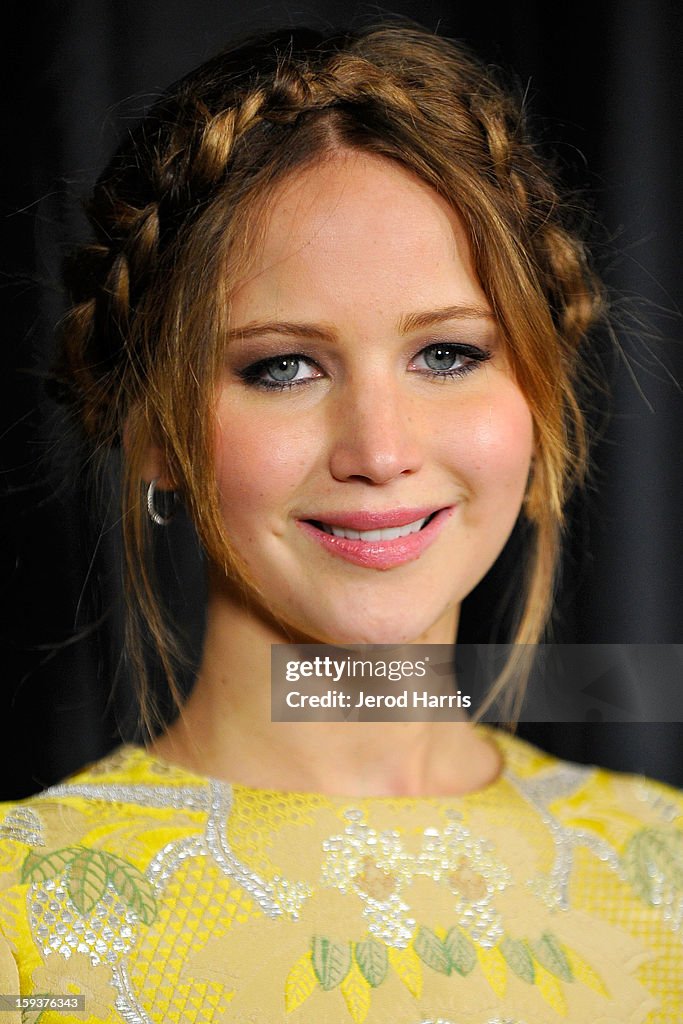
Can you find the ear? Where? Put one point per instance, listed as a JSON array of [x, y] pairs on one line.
[[154, 466], [144, 452]]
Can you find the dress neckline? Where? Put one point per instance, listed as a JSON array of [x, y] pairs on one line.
[[179, 774]]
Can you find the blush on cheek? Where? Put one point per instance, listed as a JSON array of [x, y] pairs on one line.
[[504, 437], [493, 440]]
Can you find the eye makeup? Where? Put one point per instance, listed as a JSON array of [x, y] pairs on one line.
[[442, 360]]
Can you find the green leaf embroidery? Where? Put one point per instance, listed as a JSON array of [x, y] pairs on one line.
[[371, 957], [461, 952], [38, 867], [89, 872], [132, 886], [87, 880], [518, 958], [432, 951], [331, 961], [550, 954], [653, 852]]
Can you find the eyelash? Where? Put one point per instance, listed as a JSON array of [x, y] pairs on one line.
[[252, 374]]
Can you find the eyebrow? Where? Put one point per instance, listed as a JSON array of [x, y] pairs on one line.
[[418, 321], [294, 330], [406, 324]]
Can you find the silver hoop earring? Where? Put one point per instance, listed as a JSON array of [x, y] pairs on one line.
[[157, 517]]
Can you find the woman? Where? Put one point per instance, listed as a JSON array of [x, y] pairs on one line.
[[332, 304]]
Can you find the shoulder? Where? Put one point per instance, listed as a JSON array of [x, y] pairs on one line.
[[629, 824], [126, 791], [603, 794], [95, 832]]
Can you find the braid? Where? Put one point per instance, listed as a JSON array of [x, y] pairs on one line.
[[107, 280], [219, 134]]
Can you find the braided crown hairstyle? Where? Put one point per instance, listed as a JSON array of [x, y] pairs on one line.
[[175, 209]]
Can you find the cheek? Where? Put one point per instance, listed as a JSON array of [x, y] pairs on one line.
[[258, 465], [493, 445]]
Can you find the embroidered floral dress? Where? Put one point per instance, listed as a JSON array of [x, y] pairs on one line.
[[553, 895]]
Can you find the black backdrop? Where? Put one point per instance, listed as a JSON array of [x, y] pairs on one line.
[[604, 81]]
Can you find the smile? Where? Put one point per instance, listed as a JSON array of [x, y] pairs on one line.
[[378, 540], [389, 533]]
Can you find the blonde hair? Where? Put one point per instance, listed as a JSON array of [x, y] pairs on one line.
[[142, 343]]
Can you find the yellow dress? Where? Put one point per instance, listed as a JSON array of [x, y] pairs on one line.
[[553, 895]]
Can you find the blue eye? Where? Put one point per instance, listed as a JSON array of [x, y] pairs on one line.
[[441, 357], [448, 359], [279, 372], [284, 369], [440, 361]]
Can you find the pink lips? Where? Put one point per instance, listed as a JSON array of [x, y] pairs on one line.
[[379, 554]]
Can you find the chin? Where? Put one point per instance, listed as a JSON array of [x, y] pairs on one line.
[[386, 629]]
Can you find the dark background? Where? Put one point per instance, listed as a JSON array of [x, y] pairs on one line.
[[603, 81]]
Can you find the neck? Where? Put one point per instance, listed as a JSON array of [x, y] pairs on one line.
[[225, 729]]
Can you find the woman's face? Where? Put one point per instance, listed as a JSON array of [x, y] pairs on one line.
[[372, 445]]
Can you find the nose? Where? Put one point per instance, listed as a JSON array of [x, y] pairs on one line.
[[376, 436]]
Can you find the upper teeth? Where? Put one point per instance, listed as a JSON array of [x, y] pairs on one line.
[[389, 533]]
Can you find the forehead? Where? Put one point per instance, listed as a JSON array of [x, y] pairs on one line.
[[356, 224]]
